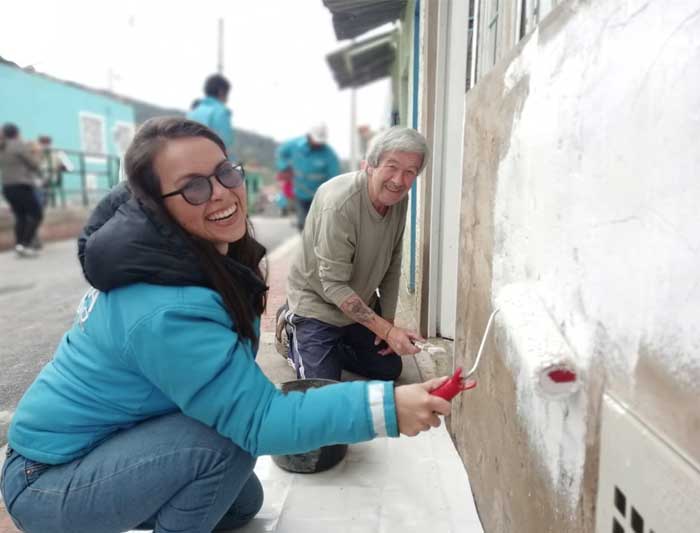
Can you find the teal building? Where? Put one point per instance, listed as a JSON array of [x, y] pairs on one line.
[[92, 127]]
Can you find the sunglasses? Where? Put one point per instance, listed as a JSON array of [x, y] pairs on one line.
[[199, 189]]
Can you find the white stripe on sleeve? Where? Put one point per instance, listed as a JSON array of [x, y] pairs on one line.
[[375, 393]]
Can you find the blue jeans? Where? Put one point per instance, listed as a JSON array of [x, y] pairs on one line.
[[169, 473]]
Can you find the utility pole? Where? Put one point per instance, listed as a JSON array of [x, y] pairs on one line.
[[220, 64], [112, 78]]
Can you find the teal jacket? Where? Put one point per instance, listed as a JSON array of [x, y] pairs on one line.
[[312, 166], [214, 114], [140, 350]]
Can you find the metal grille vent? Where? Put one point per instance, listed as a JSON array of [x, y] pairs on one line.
[[645, 485], [620, 523]]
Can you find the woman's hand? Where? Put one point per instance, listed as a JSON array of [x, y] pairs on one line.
[[416, 409]]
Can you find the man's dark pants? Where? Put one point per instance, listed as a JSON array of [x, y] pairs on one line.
[[26, 209], [321, 350]]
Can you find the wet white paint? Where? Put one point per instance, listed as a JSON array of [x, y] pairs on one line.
[[597, 207], [533, 344]]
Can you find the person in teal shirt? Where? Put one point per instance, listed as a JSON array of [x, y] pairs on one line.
[[212, 111], [153, 409], [313, 162]]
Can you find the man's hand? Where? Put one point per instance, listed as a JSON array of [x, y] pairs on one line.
[[378, 340], [416, 409], [401, 342], [386, 351]]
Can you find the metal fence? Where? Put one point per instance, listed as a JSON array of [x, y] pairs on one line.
[[79, 178], [75, 178]]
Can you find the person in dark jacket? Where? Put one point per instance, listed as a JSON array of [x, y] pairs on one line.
[[153, 410], [20, 171]]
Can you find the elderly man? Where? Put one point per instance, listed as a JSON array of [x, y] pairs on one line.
[[343, 284]]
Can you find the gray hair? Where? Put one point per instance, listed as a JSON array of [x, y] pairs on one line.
[[397, 139]]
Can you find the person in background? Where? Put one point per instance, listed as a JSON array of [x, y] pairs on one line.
[[351, 250], [311, 162], [212, 111], [19, 171], [153, 409], [285, 201], [253, 186], [53, 164]]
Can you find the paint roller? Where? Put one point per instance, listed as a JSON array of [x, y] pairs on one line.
[[534, 338], [534, 341], [458, 382]]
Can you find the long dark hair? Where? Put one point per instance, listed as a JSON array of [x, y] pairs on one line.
[[145, 185]]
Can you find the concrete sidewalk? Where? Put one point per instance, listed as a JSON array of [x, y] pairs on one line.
[[407, 485]]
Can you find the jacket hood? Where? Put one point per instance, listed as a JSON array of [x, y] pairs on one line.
[[125, 242]]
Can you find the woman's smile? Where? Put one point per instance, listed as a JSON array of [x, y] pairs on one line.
[[223, 215]]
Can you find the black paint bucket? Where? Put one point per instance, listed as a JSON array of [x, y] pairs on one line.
[[316, 460]]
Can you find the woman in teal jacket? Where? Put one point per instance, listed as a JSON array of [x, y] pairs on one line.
[[153, 409]]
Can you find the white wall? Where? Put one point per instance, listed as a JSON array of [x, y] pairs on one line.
[[598, 204]]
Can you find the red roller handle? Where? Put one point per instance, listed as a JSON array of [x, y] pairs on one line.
[[453, 386]]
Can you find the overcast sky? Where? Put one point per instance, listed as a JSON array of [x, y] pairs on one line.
[[160, 52]]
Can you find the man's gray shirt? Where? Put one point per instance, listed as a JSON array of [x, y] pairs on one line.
[[347, 248]]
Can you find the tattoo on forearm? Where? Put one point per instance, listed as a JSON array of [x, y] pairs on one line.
[[356, 309]]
